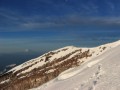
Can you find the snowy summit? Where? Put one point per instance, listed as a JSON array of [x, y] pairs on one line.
[[68, 68]]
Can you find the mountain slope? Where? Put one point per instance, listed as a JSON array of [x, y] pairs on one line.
[[40, 70], [100, 73]]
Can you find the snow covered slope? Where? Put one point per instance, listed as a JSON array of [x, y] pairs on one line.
[[83, 66], [99, 73], [62, 52]]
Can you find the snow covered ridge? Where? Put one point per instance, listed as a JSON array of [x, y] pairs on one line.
[[100, 73], [40, 70]]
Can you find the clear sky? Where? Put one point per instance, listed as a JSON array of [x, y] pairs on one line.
[[43, 25]]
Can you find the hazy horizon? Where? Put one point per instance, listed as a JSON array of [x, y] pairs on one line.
[[43, 25], [39, 26]]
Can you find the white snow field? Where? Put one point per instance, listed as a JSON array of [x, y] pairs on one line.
[[99, 73]]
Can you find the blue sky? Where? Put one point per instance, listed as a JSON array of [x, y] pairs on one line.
[[43, 25]]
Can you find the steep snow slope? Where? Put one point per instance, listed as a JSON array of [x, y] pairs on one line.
[[62, 52], [99, 73], [38, 71]]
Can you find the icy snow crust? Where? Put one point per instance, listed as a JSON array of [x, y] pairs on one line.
[[100, 73]]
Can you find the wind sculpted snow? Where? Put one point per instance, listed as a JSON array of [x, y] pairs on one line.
[[100, 73], [68, 68]]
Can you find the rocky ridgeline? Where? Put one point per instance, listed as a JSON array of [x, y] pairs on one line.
[[32, 73], [42, 74], [38, 71]]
